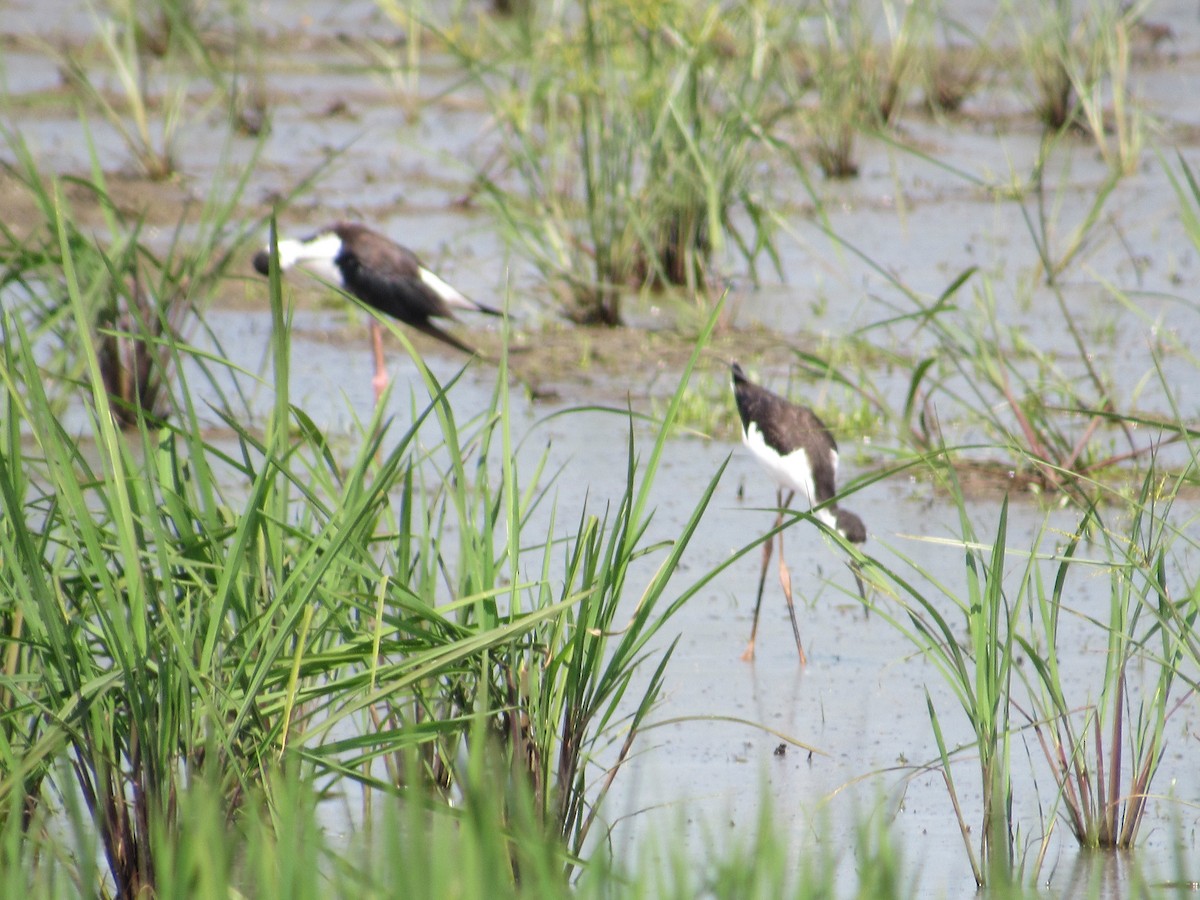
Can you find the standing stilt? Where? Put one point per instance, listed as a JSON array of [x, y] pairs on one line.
[[383, 275], [799, 452]]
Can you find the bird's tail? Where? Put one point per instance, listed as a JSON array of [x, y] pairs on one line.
[[445, 337], [487, 310]]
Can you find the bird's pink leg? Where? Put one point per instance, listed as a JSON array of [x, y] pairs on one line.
[[748, 653], [785, 581], [380, 381]]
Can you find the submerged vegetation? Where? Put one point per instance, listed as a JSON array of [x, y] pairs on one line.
[[221, 616]]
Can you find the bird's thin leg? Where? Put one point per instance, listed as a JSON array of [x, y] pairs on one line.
[[862, 590], [380, 381], [768, 546], [785, 580]]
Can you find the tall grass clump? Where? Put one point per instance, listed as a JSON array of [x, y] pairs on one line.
[[152, 68], [1078, 66], [1105, 749], [950, 73], [1046, 54], [1097, 67], [1003, 631], [146, 120], [1053, 424], [561, 690], [860, 75], [969, 636], [1112, 113], [280, 844], [134, 294], [633, 142], [177, 611], [157, 621], [153, 627]]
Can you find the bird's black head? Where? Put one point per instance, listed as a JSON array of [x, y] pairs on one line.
[[262, 262], [738, 375], [851, 526]]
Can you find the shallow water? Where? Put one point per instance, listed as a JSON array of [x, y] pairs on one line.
[[861, 700], [860, 703]]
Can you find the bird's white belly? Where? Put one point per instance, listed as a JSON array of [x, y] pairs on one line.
[[793, 471], [324, 269]]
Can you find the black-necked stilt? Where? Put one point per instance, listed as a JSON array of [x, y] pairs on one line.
[[799, 452], [381, 274]]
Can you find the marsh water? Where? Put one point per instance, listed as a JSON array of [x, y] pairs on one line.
[[728, 732]]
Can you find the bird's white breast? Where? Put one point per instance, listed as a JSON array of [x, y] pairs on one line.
[[316, 255], [792, 471]]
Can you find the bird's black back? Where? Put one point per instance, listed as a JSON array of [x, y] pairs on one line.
[[787, 427], [386, 276]]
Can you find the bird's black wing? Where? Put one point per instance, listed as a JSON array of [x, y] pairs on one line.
[[433, 331], [788, 427], [405, 298]]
